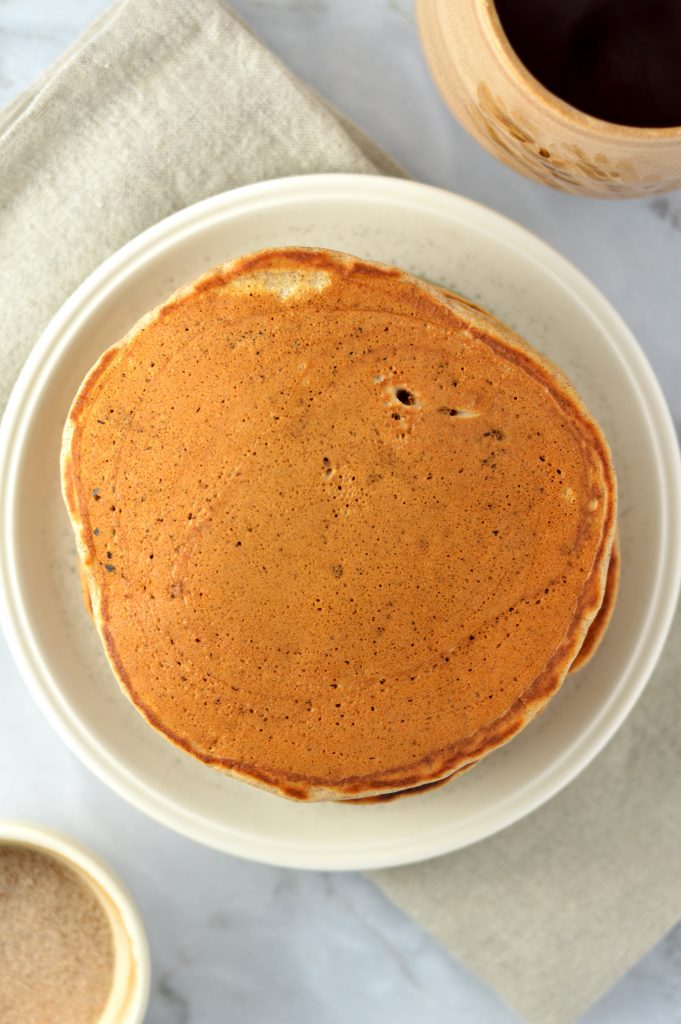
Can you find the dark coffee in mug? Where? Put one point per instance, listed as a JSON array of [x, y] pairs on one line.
[[618, 60]]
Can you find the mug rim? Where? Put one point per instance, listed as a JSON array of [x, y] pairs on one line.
[[488, 10]]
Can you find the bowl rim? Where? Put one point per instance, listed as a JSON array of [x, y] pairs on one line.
[[100, 875], [128, 261]]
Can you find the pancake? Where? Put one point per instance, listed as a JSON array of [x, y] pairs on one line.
[[600, 623], [342, 534], [586, 652], [426, 787]]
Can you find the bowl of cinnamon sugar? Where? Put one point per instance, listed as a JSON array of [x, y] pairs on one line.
[[73, 949]]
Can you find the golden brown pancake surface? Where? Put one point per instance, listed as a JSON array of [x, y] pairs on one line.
[[342, 534]]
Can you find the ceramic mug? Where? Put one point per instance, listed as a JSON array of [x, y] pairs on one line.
[[527, 127]]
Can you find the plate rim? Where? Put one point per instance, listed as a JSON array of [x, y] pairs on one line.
[[56, 337]]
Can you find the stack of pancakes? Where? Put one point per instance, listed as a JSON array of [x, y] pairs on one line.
[[342, 533]]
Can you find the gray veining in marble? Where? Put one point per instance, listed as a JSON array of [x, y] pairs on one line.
[[233, 941]]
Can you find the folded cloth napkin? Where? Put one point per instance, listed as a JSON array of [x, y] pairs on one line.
[[165, 102]]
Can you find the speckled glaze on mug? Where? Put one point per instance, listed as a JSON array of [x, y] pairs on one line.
[[527, 127]]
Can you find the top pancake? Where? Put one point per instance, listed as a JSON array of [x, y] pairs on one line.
[[343, 534]]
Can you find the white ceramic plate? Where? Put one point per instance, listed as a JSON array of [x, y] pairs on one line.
[[450, 241]]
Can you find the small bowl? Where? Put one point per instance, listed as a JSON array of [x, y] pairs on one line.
[[127, 1003]]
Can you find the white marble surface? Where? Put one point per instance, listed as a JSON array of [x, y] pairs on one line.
[[232, 941]]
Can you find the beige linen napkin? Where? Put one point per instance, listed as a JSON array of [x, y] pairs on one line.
[[160, 104]]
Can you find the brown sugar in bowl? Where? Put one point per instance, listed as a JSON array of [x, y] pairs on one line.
[[72, 945]]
